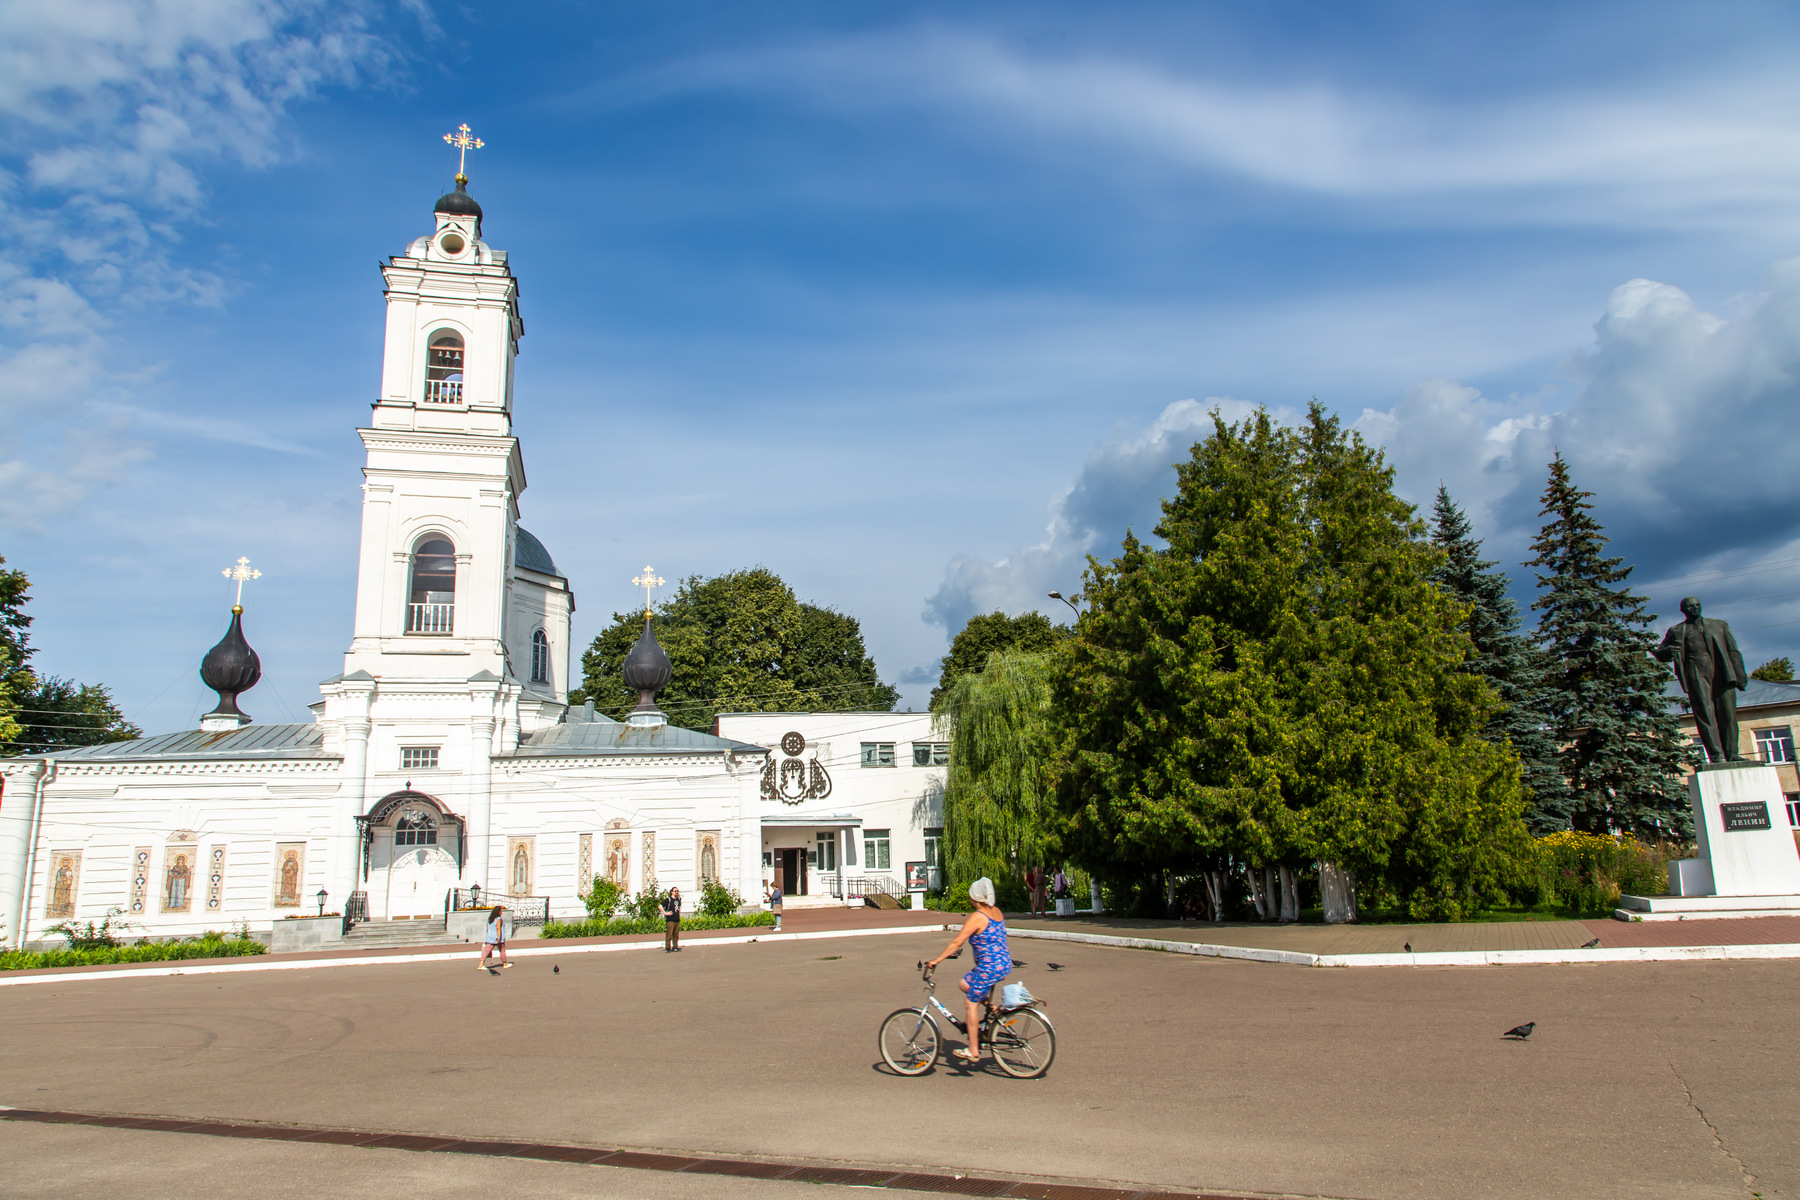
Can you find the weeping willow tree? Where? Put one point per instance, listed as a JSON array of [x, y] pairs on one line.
[[998, 815]]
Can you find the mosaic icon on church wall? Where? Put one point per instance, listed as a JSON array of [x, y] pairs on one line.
[[178, 877], [290, 869], [793, 779], [618, 859], [520, 853], [706, 854], [65, 879]]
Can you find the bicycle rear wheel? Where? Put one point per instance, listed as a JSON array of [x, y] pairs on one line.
[[910, 1041], [1023, 1042]]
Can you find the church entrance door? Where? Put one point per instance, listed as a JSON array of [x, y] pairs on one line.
[[793, 872], [418, 879]]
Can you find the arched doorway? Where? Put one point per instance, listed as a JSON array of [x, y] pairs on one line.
[[414, 852]]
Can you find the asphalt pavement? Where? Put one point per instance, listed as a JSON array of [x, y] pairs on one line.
[[1653, 1079]]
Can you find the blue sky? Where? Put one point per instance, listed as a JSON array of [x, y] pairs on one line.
[[914, 304]]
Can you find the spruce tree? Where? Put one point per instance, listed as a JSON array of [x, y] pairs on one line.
[[1507, 659], [1622, 748]]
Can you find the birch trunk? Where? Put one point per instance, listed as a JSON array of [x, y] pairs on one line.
[[1290, 894], [1215, 892], [1259, 893], [1337, 892]]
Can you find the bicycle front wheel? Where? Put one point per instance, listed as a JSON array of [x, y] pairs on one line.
[[910, 1041], [1023, 1042]]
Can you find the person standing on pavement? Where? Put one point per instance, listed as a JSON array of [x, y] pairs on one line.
[[775, 903], [1032, 879], [671, 911], [494, 937]]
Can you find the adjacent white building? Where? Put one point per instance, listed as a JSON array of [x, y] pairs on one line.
[[445, 754]]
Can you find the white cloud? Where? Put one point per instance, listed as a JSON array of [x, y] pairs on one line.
[[1704, 149], [111, 111], [1682, 427]]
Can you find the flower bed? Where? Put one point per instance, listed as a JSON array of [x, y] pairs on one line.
[[618, 925], [205, 947]]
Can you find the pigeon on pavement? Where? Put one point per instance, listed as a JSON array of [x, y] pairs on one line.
[[1408, 947], [1520, 1032], [1591, 945], [1054, 966], [555, 970]]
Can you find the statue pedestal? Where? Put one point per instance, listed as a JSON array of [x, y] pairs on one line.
[[1746, 865]]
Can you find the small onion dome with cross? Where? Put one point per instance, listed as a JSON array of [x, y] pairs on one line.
[[231, 668], [646, 668]]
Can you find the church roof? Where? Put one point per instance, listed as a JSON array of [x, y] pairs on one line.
[[529, 553], [607, 737], [251, 742]]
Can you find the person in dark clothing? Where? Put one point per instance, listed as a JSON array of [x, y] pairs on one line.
[[671, 911], [775, 904]]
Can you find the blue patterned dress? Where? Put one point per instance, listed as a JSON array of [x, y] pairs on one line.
[[993, 958]]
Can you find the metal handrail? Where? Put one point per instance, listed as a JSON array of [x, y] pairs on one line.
[[525, 910], [356, 910], [866, 885]]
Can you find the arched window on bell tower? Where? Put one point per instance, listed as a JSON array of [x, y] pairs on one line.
[[540, 657], [431, 606], [444, 369]]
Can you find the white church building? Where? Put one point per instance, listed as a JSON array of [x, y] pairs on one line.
[[445, 755]]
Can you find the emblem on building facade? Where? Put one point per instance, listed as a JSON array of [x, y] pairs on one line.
[[793, 779]]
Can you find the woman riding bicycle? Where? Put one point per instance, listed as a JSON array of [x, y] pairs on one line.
[[985, 930]]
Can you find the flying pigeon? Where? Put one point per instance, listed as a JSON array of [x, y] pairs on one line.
[[1591, 945], [1520, 1032], [555, 970], [1408, 947]]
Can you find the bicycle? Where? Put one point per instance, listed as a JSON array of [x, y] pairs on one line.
[[1022, 1038]]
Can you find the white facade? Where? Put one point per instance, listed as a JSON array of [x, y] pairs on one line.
[[445, 754], [882, 806]]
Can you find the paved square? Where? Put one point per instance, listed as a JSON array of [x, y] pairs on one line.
[[1664, 1079]]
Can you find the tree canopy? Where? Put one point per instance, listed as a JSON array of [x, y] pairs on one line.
[[1508, 660], [998, 805], [1285, 683], [740, 642], [1776, 670], [1030, 633], [1622, 748]]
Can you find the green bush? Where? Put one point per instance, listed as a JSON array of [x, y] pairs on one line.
[[646, 905], [717, 900], [91, 936], [952, 899], [603, 899], [586, 929], [1587, 872], [208, 945]]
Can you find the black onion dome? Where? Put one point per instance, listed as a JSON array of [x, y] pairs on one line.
[[459, 203], [231, 668], [647, 670]]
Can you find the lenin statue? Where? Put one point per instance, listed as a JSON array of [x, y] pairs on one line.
[[1711, 670]]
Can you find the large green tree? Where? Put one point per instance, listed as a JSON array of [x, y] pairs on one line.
[[740, 642], [999, 814], [1776, 670], [1622, 747], [15, 653], [1283, 683], [1508, 660], [1030, 633]]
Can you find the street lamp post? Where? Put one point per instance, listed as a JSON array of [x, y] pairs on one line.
[[322, 895], [1067, 601]]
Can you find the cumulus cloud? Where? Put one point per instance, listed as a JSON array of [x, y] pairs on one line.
[[110, 111], [1121, 486], [1682, 426]]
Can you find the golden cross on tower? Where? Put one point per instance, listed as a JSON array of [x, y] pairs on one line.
[[242, 571], [464, 141], [649, 579]]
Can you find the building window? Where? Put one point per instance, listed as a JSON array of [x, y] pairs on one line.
[[934, 839], [418, 758], [540, 657], [875, 849], [444, 368], [1775, 745], [931, 754], [415, 827], [878, 754], [433, 597], [1793, 807], [825, 856]]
